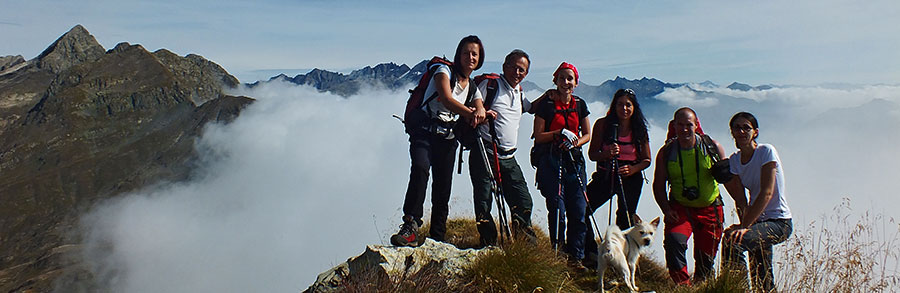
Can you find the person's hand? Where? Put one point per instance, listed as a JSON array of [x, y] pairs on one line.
[[491, 113], [478, 116], [735, 233], [611, 150], [625, 170], [569, 135]]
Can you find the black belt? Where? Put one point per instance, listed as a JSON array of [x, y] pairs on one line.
[[774, 220], [500, 151]]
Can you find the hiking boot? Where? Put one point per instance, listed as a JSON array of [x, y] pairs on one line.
[[576, 266], [408, 235]]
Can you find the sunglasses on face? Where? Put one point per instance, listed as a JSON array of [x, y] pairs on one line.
[[744, 128]]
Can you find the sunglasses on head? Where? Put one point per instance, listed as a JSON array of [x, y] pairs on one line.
[[630, 92]]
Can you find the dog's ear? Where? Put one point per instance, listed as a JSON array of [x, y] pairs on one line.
[[655, 222], [636, 219]]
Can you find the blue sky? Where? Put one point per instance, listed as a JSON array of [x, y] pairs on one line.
[[755, 42]]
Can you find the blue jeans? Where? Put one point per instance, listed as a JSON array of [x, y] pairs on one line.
[[566, 208], [757, 242]]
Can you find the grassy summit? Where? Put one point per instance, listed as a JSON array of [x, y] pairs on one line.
[[838, 253]]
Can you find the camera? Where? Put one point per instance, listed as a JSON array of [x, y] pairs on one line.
[[690, 192], [442, 129]]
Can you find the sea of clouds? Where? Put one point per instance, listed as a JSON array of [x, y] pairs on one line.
[[302, 180]]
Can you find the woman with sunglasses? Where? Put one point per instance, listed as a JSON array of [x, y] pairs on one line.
[[765, 216]]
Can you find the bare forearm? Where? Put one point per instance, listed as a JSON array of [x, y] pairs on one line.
[[455, 106], [659, 194], [751, 214]]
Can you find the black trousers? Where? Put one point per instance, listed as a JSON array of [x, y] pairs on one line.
[[515, 193], [430, 152], [601, 190]]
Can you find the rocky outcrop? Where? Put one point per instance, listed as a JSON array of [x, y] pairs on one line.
[[205, 79], [392, 262], [7, 62], [80, 124]]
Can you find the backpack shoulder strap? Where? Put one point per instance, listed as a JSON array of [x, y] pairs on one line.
[[433, 65], [541, 102], [670, 149], [493, 88], [709, 147], [470, 95]]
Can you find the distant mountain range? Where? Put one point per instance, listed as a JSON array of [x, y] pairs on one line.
[[393, 76], [79, 124]]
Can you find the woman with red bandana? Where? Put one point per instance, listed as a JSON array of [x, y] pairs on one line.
[[561, 127]]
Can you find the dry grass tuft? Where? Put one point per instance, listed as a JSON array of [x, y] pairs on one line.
[[840, 254], [522, 267]]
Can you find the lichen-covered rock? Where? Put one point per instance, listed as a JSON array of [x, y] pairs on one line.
[[393, 261]]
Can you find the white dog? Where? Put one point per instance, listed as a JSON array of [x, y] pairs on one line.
[[622, 249]]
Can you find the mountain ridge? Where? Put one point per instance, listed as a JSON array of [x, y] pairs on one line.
[[80, 124], [394, 76]]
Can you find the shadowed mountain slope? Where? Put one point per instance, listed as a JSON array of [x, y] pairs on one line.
[[79, 124]]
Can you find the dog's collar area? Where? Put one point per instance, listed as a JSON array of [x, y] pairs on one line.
[[638, 244]]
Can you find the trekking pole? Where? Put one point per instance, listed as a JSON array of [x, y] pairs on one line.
[[494, 187], [584, 192], [615, 161], [504, 225], [559, 202], [459, 166]]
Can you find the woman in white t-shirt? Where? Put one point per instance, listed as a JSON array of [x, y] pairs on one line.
[[432, 147], [765, 219]]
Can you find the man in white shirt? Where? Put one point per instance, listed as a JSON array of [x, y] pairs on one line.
[[505, 109]]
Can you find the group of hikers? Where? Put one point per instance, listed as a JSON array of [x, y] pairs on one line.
[[688, 168]]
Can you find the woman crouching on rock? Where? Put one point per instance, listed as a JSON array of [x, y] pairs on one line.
[[765, 217]]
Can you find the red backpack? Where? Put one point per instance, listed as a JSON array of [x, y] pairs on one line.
[[492, 87], [415, 116]]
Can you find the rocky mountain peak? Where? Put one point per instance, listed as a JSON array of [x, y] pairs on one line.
[[122, 47], [380, 71], [739, 86], [74, 47]]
